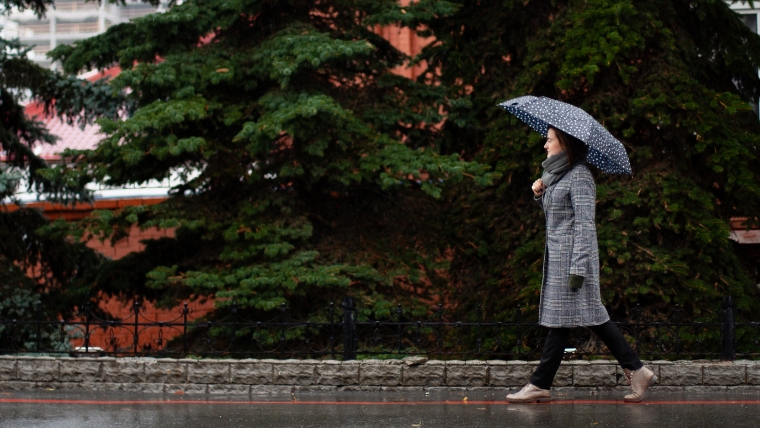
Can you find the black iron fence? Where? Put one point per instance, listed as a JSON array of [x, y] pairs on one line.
[[344, 331]]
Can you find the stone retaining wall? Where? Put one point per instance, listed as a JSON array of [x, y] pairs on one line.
[[209, 376]]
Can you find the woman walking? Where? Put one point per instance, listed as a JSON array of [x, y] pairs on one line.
[[570, 295]]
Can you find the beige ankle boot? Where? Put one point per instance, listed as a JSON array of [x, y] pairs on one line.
[[528, 394], [639, 380]]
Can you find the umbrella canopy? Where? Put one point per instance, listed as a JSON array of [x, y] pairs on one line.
[[604, 151]]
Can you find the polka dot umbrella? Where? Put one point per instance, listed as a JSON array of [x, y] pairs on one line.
[[604, 151]]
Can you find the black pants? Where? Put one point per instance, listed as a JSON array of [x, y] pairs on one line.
[[554, 349]]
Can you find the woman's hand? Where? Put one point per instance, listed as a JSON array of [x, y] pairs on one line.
[[576, 282], [538, 187]]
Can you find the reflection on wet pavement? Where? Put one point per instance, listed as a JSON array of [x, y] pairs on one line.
[[64, 409]]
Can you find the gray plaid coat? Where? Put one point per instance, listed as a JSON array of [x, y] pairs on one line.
[[571, 248]]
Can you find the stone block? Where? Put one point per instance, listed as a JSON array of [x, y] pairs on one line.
[[753, 374], [143, 387], [564, 376], [714, 374], [316, 388], [622, 381], [380, 362], [64, 386], [153, 388], [337, 374], [79, 370], [271, 390], [681, 375], [165, 371], [8, 369], [372, 374], [571, 363], [509, 374], [39, 369], [186, 388], [424, 375], [206, 372], [16, 386], [454, 391], [123, 370], [414, 361], [228, 389], [294, 374], [466, 374], [251, 373], [107, 386], [595, 375]]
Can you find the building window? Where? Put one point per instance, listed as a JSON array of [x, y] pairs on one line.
[[750, 20]]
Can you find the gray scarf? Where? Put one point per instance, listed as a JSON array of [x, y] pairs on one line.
[[555, 168]]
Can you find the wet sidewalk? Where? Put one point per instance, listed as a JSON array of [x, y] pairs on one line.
[[69, 409]]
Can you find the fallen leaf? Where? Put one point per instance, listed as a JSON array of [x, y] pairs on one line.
[[179, 392], [464, 399]]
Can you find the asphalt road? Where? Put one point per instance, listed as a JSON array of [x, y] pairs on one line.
[[64, 409]]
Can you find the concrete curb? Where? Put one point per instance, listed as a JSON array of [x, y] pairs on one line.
[[255, 377]]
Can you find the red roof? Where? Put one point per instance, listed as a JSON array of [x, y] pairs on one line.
[[69, 136]]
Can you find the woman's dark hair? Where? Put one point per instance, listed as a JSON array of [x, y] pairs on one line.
[[575, 148]]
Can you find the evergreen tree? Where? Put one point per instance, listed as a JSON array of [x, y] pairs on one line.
[[673, 80], [308, 170], [38, 268]]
